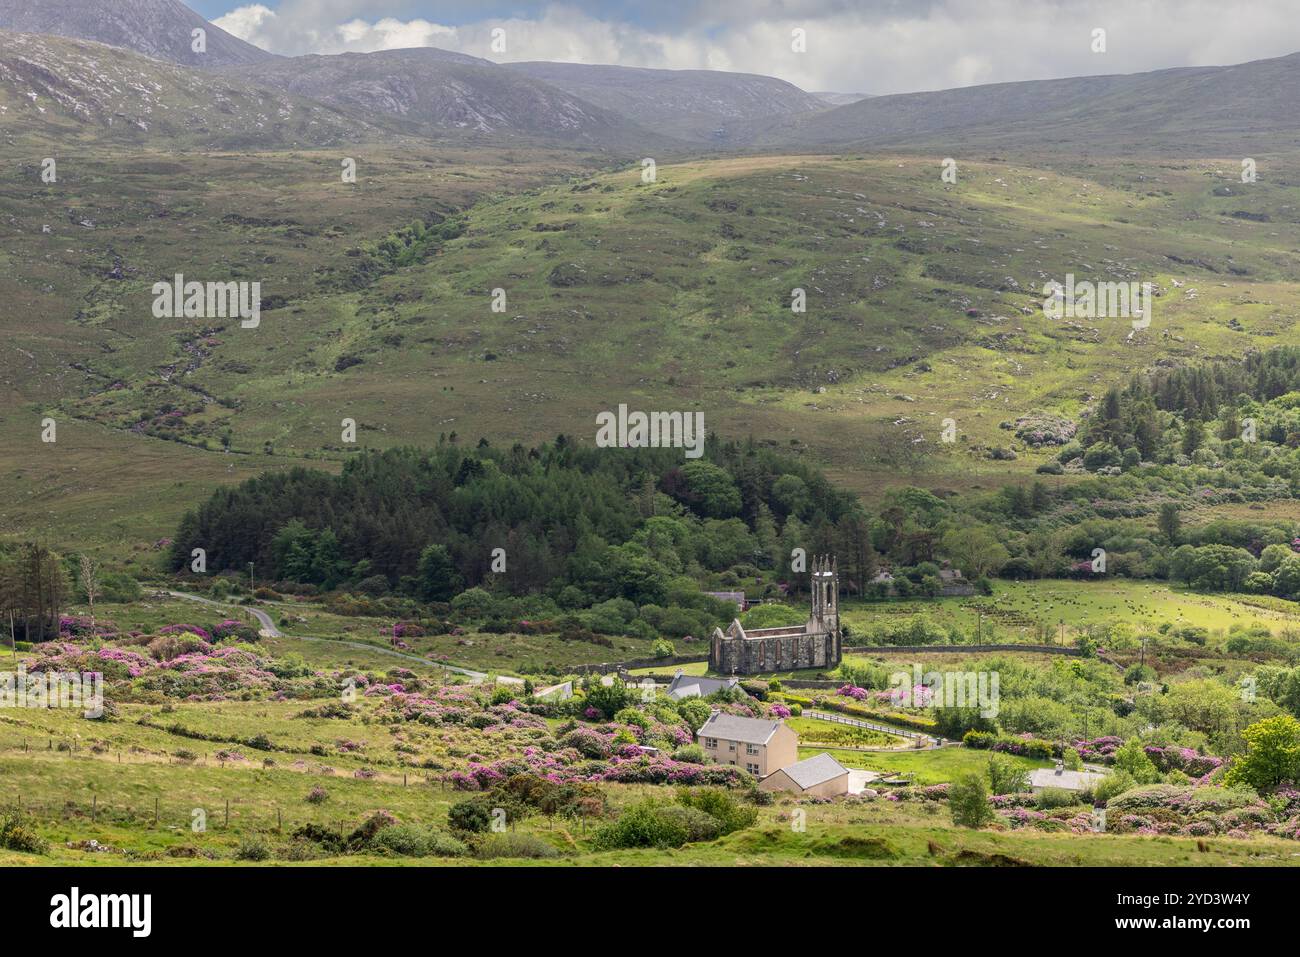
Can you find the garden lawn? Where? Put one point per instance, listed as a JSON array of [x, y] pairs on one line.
[[936, 766]]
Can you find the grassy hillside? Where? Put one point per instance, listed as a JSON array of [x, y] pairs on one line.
[[108, 789], [923, 302]]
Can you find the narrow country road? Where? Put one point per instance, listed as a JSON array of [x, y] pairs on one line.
[[268, 626]]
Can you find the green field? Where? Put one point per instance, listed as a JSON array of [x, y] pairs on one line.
[[936, 766], [1017, 610], [828, 732]]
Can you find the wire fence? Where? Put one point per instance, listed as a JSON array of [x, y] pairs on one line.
[[234, 815], [196, 816]]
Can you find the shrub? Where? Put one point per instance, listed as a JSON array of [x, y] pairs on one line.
[[364, 836], [1111, 786], [472, 816], [968, 800], [299, 850], [15, 835], [662, 649], [511, 844], [1005, 776], [690, 754], [698, 825], [1272, 754], [417, 840], [331, 841], [608, 699], [694, 711], [253, 848], [1133, 759], [1039, 749], [718, 804], [317, 795], [1050, 798], [642, 825]]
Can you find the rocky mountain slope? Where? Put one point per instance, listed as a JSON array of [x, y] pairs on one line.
[[72, 91], [700, 106], [161, 29], [427, 89]]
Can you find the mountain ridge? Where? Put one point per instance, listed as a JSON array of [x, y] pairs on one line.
[[1260, 98], [161, 29], [432, 89], [716, 107]]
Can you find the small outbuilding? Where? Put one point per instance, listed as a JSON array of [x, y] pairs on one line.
[[818, 776]]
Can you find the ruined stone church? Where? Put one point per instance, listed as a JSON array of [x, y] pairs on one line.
[[814, 644]]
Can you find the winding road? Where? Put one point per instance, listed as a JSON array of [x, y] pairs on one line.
[[269, 629]]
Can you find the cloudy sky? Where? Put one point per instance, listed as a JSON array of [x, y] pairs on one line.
[[867, 46]]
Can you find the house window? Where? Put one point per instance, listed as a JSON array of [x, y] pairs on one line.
[[751, 749], [710, 742], [752, 769], [731, 745]]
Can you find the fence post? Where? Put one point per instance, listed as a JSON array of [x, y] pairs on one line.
[[94, 807], [227, 824], [155, 812]]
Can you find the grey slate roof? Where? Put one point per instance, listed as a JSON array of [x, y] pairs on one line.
[[685, 686], [1066, 780], [813, 771], [730, 727]]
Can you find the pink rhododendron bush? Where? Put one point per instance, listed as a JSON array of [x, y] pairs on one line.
[[1172, 758], [1186, 811], [185, 667], [472, 736], [487, 742], [1203, 811]]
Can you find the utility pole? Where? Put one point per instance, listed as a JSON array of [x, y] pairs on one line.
[[251, 586]]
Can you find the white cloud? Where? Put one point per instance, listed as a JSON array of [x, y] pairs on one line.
[[246, 22], [852, 46]]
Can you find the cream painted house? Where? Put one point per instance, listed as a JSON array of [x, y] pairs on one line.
[[758, 745], [818, 776]]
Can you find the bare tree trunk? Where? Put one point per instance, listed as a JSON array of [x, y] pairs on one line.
[[90, 582]]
